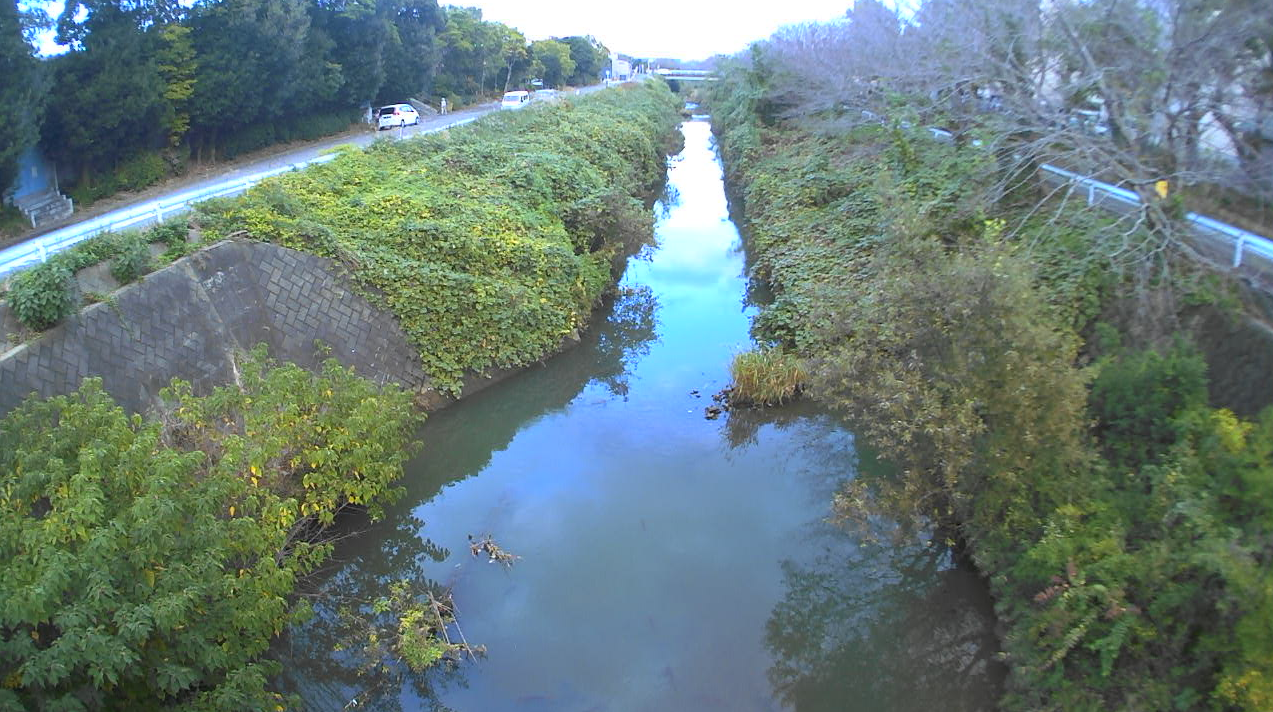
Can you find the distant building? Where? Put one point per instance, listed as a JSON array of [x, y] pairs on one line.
[[620, 69]]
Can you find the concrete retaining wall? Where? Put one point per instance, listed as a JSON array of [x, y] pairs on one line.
[[184, 320]]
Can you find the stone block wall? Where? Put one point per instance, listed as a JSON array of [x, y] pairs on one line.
[[185, 320]]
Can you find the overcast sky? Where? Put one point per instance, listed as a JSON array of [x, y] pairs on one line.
[[685, 29]]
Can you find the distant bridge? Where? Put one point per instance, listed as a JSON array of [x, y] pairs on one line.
[[686, 75]]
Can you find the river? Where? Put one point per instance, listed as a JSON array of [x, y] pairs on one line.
[[667, 561]]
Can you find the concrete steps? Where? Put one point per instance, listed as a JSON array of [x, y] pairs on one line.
[[46, 207]]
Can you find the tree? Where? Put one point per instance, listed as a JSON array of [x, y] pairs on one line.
[[107, 99], [356, 35], [249, 64], [150, 563], [469, 50], [552, 61], [176, 65], [513, 50], [1130, 90], [590, 58], [21, 94], [411, 55]]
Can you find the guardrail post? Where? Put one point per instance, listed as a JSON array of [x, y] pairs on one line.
[[44, 252], [159, 214], [1091, 194], [1237, 252]]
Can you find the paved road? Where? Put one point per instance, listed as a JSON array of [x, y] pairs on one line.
[[139, 212]]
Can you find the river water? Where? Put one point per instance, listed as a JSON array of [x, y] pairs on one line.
[[668, 561]]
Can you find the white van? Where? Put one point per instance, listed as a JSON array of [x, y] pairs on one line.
[[515, 100]]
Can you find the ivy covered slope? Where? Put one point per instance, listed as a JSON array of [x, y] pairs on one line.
[[491, 242], [149, 563], [1125, 526]]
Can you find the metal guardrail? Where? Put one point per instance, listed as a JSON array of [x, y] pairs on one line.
[[37, 250], [1243, 241]]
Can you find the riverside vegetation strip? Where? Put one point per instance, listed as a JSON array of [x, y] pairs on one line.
[[1125, 526], [491, 243], [151, 561]]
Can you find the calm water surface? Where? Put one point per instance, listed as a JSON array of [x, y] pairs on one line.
[[668, 562]]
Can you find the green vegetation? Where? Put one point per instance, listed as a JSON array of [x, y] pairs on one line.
[[43, 295], [766, 376], [1123, 523], [149, 563], [145, 88], [47, 293], [491, 243], [20, 93], [152, 562], [132, 260]]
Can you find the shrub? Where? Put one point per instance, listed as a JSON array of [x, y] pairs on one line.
[[766, 376], [1137, 398], [43, 295], [148, 565], [491, 243], [172, 233], [132, 258], [141, 171]]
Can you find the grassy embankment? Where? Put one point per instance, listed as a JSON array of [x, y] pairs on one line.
[[150, 562], [492, 242], [1124, 525]]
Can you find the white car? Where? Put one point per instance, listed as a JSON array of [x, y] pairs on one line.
[[515, 100], [396, 115]]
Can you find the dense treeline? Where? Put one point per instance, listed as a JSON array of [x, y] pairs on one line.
[[147, 86], [1036, 388]]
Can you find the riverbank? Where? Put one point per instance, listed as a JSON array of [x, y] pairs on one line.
[[490, 243], [1039, 396], [192, 528], [600, 471]]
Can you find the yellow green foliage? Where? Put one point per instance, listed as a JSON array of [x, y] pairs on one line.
[[1126, 527], [149, 564], [491, 242], [765, 376]]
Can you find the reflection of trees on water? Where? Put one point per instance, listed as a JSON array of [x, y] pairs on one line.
[[394, 548], [869, 627], [626, 337], [319, 663], [885, 629], [668, 199]]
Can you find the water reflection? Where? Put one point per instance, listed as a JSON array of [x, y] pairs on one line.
[[668, 562], [329, 668], [887, 628], [328, 678]]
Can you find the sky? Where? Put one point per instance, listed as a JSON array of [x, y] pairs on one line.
[[682, 29]]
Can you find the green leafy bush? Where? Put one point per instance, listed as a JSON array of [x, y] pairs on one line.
[[1138, 398], [491, 243], [141, 171], [43, 295], [149, 564], [305, 126], [132, 258]]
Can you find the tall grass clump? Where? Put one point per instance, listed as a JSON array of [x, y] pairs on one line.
[[766, 376]]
